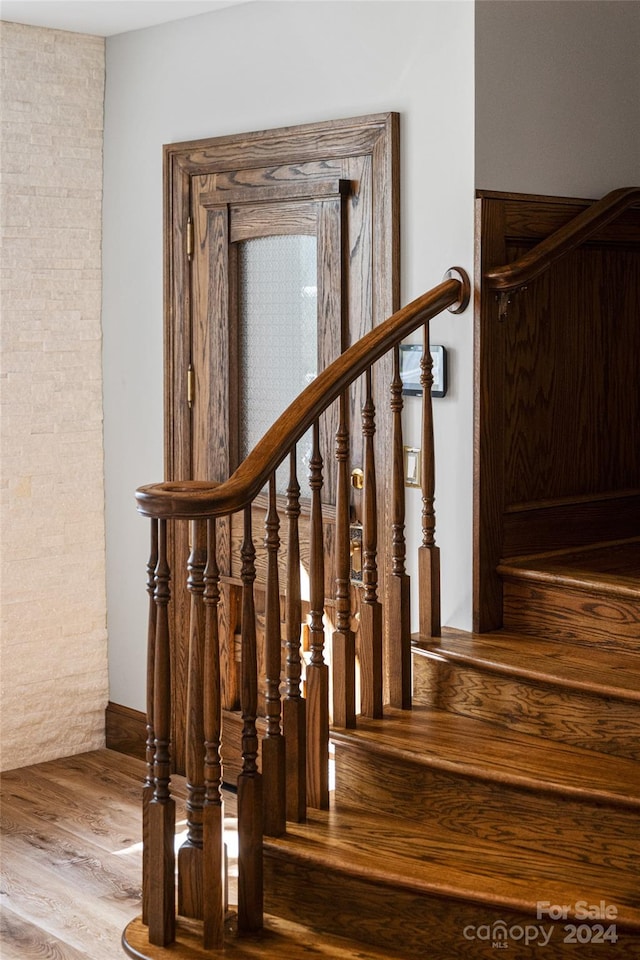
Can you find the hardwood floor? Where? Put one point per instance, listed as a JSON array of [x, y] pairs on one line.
[[71, 856], [72, 863]]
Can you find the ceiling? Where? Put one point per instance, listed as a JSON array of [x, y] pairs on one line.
[[105, 18]]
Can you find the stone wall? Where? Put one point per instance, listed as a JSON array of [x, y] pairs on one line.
[[52, 567]]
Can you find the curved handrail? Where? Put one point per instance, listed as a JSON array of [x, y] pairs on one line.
[[193, 499], [567, 238]]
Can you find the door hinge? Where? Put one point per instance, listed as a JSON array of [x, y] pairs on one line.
[[189, 238], [190, 386]]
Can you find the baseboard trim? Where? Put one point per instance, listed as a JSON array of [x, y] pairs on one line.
[[126, 730]]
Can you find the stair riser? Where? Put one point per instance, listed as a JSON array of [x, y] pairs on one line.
[[471, 808], [581, 719], [411, 925], [560, 613]]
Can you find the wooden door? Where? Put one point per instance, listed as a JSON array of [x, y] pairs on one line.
[[328, 187]]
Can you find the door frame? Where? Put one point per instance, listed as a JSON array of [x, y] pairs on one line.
[[374, 137]]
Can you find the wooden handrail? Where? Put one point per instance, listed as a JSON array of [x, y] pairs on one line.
[[204, 499], [286, 781], [563, 241]]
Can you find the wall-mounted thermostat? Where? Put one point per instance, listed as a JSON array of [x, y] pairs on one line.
[[410, 356]]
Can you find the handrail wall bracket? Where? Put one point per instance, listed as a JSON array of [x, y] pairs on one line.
[[461, 275]]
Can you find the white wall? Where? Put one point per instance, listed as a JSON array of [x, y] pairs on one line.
[[558, 96], [52, 559], [246, 68]]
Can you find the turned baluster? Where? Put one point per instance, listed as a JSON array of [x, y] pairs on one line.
[[190, 853], [343, 640], [371, 609], [273, 744], [250, 815], [147, 789], [399, 653], [162, 817], [428, 553], [294, 707], [317, 671], [213, 812]]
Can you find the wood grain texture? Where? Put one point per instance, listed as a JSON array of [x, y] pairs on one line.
[[468, 747], [71, 855], [215, 182], [491, 809], [556, 415], [488, 459], [572, 522], [279, 940], [71, 860], [126, 730], [343, 885], [581, 228], [591, 671], [590, 596], [541, 708], [570, 615]]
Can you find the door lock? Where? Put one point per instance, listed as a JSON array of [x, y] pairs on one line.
[[357, 478], [355, 551]]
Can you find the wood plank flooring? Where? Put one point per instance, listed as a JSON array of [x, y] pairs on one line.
[[71, 856], [72, 861]]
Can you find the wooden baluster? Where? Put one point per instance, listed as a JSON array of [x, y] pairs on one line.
[[399, 653], [213, 813], [273, 744], [190, 895], [371, 609], [317, 671], [428, 553], [294, 707], [343, 640], [162, 814], [147, 789], [250, 816]]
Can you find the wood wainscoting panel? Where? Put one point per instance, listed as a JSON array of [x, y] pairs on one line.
[[557, 420]]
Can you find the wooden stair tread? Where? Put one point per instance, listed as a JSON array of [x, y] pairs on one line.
[[591, 669], [280, 940], [389, 850], [608, 569], [475, 748]]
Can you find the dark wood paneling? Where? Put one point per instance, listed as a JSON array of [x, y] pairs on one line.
[[557, 435], [571, 403], [537, 528]]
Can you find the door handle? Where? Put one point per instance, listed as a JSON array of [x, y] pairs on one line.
[[357, 478]]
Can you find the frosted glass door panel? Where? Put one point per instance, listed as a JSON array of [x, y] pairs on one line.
[[278, 336]]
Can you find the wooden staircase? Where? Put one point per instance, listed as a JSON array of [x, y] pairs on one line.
[[513, 786], [508, 794], [500, 813]]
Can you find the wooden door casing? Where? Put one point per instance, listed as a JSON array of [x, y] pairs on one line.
[[341, 178]]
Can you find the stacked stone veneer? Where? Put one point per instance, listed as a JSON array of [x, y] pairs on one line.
[[52, 559]]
